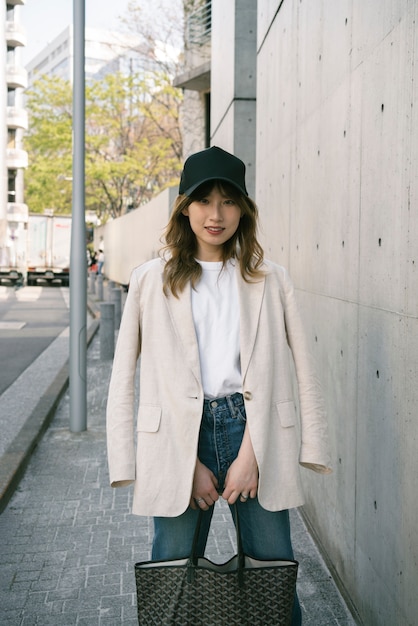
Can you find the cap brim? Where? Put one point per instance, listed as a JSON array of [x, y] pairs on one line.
[[193, 188]]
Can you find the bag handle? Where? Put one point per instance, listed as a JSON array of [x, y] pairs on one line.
[[192, 562]]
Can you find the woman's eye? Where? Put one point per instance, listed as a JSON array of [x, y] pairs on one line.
[[229, 202]]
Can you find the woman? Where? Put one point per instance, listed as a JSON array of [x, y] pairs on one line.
[[213, 322]]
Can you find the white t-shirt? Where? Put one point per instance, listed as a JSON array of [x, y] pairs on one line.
[[215, 307]]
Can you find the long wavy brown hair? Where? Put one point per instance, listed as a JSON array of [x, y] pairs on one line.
[[181, 245]]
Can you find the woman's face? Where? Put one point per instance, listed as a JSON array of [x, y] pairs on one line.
[[214, 218]]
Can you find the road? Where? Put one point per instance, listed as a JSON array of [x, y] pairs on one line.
[[30, 319]]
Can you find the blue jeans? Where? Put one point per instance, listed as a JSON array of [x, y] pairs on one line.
[[265, 534]]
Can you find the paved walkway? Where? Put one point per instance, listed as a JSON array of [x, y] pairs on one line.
[[68, 542]]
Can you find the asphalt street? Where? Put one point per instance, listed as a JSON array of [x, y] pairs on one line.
[[30, 319]]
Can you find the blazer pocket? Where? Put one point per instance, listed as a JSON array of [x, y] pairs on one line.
[[149, 418], [287, 413]]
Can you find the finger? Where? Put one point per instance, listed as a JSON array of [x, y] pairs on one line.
[[193, 504], [232, 497], [214, 496], [211, 498], [244, 497], [214, 481]]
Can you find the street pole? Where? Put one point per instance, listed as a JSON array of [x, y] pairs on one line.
[[78, 261]]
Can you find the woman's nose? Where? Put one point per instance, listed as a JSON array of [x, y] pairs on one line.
[[216, 212]]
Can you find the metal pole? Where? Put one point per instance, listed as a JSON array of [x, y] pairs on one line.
[[78, 262]]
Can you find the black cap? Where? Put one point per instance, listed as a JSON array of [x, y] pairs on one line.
[[212, 164]]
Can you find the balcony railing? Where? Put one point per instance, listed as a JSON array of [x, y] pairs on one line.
[[16, 76], [17, 118], [16, 159], [15, 34], [199, 25]]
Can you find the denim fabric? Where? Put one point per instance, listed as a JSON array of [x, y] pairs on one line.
[[265, 534]]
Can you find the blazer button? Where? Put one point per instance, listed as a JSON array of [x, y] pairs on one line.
[[248, 395]]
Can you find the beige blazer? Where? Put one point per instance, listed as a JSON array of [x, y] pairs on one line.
[[161, 330]]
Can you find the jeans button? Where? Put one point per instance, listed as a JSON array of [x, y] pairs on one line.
[[214, 404]]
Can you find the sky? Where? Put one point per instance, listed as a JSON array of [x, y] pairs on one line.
[[43, 20]]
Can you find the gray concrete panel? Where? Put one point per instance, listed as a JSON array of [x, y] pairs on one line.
[[223, 135], [331, 504], [325, 209], [337, 172], [222, 74], [245, 45], [244, 139], [379, 498], [375, 20], [233, 79], [385, 172]]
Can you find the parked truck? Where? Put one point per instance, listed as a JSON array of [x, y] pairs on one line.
[[48, 248], [13, 242]]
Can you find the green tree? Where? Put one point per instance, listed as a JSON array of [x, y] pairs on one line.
[[48, 143], [133, 142]]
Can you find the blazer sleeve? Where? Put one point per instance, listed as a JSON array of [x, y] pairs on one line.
[[120, 403], [314, 451]]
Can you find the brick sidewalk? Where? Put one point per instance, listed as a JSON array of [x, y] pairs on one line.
[[68, 542]]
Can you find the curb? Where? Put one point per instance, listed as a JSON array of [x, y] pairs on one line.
[[14, 461]]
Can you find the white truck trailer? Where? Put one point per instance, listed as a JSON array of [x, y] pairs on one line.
[[13, 243], [48, 248]]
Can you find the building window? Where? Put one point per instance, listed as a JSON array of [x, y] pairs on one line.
[[11, 138], [10, 15], [11, 97], [11, 185], [10, 55]]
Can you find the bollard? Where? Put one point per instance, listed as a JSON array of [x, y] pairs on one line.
[[107, 330], [92, 283], [116, 298], [110, 286], [100, 287]]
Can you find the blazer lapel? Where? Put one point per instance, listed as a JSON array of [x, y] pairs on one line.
[[181, 315], [250, 301]]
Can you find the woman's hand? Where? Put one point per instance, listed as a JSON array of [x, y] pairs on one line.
[[204, 492], [242, 477]]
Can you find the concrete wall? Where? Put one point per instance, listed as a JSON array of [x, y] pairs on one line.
[[336, 183], [135, 237], [233, 80]]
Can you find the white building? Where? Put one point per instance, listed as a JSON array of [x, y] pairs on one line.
[[105, 52], [13, 122]]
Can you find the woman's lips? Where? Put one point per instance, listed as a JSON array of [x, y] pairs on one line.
[[214, 230]]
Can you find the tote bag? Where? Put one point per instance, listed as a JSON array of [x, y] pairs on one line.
[[243, 591]]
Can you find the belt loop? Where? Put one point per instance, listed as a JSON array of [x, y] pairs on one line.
[[238, 399], [231, 405]]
